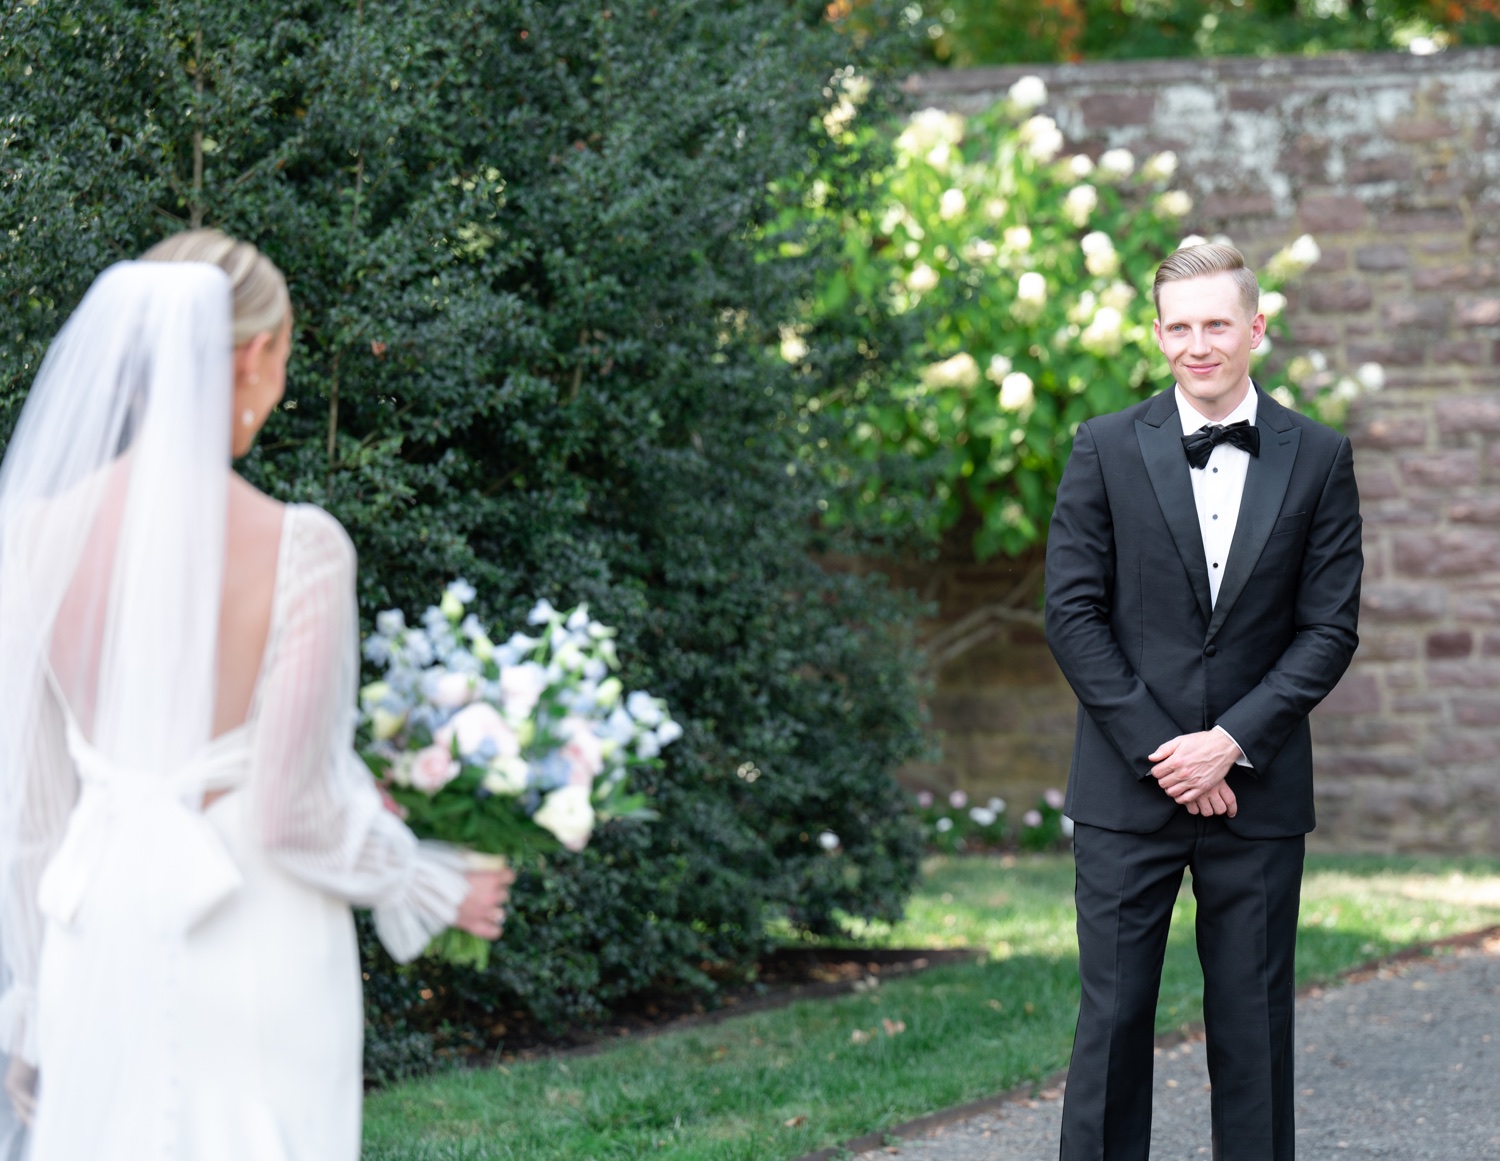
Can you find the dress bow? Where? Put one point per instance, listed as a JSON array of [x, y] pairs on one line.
[[1200, 445]]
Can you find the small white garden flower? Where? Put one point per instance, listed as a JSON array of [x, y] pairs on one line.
[[958, 800], [793, 348], [1032, 818], [1371, 376], [997, 805], [828, 841], [1016, 391], [1031, 287], [1103, 335], [1080, 165], [1160, 166], [1079, 203], [1305, 251], [1272, 303], [951, 204], [1116, 164], [1028, 93], [998, 369], [1118, 295], [958, 371], [982, 815], [1099, 254], [569, 815], [1175, 203], [1018, 237], [1191, 240], [928, 129], [1042, 138], [943, 825], [922, 278]]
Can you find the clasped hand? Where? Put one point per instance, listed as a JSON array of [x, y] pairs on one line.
[[1191, 768], [482, 912]]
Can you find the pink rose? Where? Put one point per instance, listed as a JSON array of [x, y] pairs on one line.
[[433, 768], [583, 751], [391, 804], [1054, 798]]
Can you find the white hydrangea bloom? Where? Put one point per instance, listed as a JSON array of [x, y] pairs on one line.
[[927, 129], [1099, 254], [922, 279], [1042, 138], [1116, 164], [1371, 376], [961, 370], [1016, 391], [1018, 237], [1080, 165], [1118, 295], [1160, 166], [1272, 303], [1028, 93], [952, 203], [793, 347], [1175, 203], [1103, 336], [1191, 240], [980, 250], [998, 369], [1031, 288], [1079, 203]]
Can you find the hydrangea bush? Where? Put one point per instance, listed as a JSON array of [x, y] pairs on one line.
[[1029, 268]]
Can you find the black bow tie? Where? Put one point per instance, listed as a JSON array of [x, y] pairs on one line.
[[1200, 445]]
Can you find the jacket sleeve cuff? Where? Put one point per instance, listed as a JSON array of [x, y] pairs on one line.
[[1243, 759], [426, 906], [18, 1023]]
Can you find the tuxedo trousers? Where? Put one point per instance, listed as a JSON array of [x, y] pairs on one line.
[[1247, 893]]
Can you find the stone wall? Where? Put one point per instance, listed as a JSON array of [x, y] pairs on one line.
[[1393, 164]]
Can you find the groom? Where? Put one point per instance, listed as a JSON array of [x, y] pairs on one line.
[[1203, 572]]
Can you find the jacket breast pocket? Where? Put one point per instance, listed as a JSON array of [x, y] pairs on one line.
[[1291, 522]]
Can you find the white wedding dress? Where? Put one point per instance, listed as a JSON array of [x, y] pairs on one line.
[[185, 980]]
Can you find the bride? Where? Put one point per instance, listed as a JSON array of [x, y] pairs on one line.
[[183, 821]]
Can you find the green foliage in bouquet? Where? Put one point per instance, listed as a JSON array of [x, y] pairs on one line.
[[534, 253], [1027, 271]]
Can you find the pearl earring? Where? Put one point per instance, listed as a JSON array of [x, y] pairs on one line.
[[247, 417]]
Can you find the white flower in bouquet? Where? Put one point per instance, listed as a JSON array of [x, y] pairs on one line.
[[507, 777], [1079, 203], [1028, 93], [1160, 166], [569, 815], [450, 690], [521, 686], [1042, 138], [1116, 164], [479, 732], [644, 708]]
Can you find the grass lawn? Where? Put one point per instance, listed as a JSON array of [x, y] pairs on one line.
[[782, 1083]]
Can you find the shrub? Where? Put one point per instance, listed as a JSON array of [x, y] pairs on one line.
[[1028, 271], [538, 273]]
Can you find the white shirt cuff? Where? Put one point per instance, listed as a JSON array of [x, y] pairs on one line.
[[1241, 760]]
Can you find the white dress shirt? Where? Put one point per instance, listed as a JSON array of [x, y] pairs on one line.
[[1217, 488]]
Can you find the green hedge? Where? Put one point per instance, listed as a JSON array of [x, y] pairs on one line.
[[538, 289]]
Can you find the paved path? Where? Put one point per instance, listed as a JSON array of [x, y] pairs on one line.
[[1401, 1066]]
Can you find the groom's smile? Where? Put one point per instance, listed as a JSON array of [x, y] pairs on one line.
[[1207, 331]]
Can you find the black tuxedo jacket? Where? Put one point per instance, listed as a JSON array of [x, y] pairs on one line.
[[1130, 623]]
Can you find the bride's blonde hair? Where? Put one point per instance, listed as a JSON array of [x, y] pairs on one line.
[[260, 298]]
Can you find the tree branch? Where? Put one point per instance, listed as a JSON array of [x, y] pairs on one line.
[[980, 625]]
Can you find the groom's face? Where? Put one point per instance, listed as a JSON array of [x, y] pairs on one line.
[[1207, 333]]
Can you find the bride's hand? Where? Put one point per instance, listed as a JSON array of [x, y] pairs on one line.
[[20, 1086], [482, 912]]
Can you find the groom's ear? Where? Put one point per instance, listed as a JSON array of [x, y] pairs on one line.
[[1257, 330]]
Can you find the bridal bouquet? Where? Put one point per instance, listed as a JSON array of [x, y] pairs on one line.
[[506, 750]]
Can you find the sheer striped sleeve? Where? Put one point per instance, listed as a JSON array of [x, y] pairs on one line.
[[51, 791], [316, 807]]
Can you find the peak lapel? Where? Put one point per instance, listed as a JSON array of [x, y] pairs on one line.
[[1160, 437], [1265, 488]]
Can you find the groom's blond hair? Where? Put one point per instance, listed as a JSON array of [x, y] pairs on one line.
[[1206, 259]]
